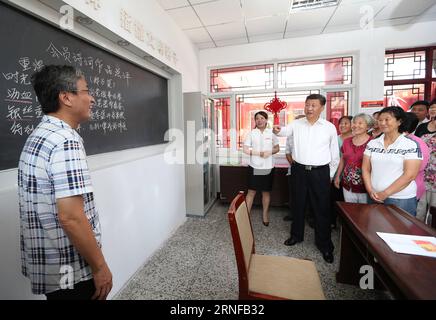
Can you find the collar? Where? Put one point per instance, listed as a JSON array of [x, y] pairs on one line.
[[56, 121], [319, 121], [381, 140], [264, 131]]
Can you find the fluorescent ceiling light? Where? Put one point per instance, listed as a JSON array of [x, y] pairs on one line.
[[297, 5]]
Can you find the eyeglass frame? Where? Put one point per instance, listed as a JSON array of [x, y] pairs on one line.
[[87, 90]]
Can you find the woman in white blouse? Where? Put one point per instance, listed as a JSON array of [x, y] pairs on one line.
[[391, 163], [260, 144]]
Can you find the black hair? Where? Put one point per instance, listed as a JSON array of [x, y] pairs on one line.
[[50, 81], [345, 117], [411, 122], [399, 114], [316, 96], [262, 113], [420, 102], [433, 102]]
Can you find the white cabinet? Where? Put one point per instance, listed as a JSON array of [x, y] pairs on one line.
[[200, 168]]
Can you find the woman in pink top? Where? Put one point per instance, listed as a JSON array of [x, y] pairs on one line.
[[350, 166], [410, 126]]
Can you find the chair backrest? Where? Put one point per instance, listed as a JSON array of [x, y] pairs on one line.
[[242, 235]]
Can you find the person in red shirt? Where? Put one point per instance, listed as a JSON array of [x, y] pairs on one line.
[[350, 167]]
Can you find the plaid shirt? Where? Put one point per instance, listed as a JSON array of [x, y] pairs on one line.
[[52, 166]]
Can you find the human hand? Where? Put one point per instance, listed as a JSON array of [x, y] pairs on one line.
[[337, 182], [382, 196], [103, 282], [375, 196], [266, 154], [276, 129]]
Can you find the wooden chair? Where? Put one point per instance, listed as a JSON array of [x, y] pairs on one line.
[[268, 277]]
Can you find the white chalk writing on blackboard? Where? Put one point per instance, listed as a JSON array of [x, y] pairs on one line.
[[107, 115], [89, 62], [25, 63]]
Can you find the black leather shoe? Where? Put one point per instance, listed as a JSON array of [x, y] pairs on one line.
[[328, 257], [287, 218], [266, 224], [291, 242]]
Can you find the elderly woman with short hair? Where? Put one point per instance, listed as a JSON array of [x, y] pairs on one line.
[[350, 167]]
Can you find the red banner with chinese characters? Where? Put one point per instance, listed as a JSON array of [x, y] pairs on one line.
[[372, 104]]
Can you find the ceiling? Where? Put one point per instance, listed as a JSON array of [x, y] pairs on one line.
[[217, 23]]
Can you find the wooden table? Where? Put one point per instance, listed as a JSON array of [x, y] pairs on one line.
[[405, 276]]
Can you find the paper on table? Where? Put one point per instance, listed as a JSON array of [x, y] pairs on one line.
[[402, 243]]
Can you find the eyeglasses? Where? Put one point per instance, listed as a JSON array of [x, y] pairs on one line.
[[86, 90]]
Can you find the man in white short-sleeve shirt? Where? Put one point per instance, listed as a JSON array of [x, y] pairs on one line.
[[315, 155]]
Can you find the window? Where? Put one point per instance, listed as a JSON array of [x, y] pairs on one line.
[[405, 65], [336, 106], [222, 129], [315, 72], [403, 95], [409, 76], [242, 78], [240, 91], [248, 104]]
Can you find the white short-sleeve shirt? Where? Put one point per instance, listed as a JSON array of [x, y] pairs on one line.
[[387, 165], [312, 144], [261, 141]]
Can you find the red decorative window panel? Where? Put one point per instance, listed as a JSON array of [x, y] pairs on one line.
[[410, 75], [433, 67], [248, 104], [405, 65], [337, 106], [320, 72], [433, 91], [403, 95], [222, 129], [259, 77]]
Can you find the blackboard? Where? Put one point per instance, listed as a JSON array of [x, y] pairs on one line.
[[131, 102]]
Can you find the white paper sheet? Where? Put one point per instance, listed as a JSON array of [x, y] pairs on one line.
[[409, 244]]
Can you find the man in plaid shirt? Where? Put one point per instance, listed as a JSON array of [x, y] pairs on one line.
[[60, 229]]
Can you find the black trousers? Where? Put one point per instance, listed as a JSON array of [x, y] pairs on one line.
[[312, 186], [290, 194], [82, 291]]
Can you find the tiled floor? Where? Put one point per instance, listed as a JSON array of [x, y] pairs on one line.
[[198, 261]]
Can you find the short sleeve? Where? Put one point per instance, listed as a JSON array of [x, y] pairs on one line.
[[288, 149], [275, 140], [413, 153], [368, 151], [69, 170], [247, 141]]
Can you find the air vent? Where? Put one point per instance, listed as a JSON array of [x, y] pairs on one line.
[[297, 5]]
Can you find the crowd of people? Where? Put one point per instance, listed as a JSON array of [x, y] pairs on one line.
[[388, 157]]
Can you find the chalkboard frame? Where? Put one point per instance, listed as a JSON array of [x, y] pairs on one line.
[[114, 55]]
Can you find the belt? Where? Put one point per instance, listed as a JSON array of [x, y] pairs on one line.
[[309, 167]]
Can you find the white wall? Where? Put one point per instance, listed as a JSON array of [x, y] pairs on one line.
[[132, 187], [135, 214], [154, 20], [368, 45]]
